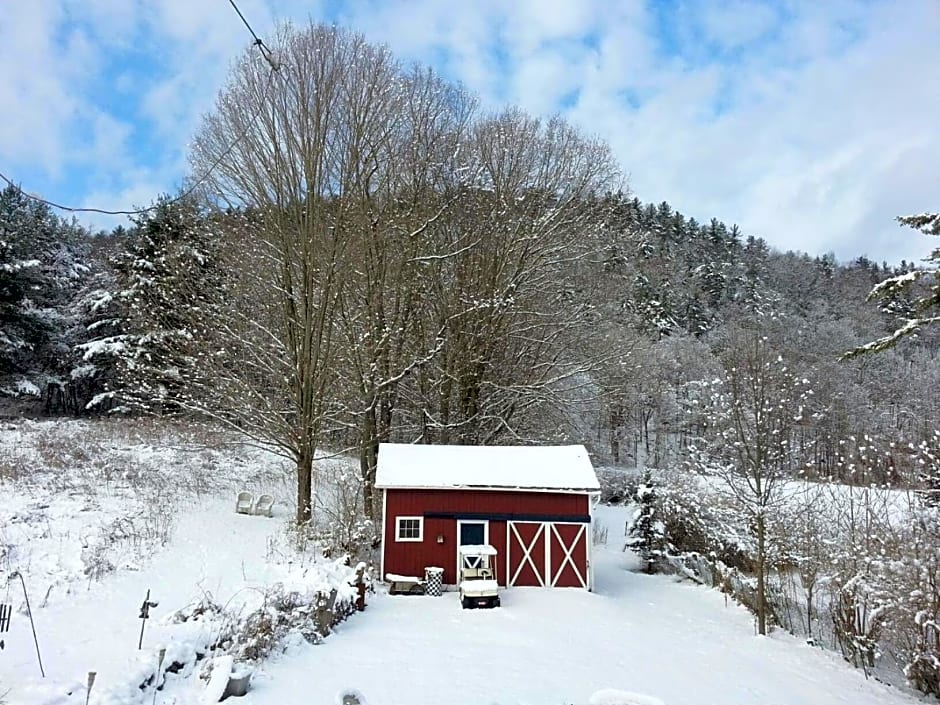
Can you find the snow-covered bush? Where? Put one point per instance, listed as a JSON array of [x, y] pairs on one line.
[[618, 485], [913, 633], [339, 526], [859, 613], [309, 602], [698, 520]]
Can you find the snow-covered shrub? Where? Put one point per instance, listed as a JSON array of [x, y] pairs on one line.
[[96, 562], [859, 613], [912, 633], [921, 653], [309, 603], [339, 526], [357, 539], [696, 520], [618, 485], [707, 540]]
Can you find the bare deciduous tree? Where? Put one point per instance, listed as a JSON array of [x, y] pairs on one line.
[[382, 306], [499, 303], [749, 419], [310, 135]]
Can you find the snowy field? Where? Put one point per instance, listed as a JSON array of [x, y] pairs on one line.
[[645, 634]]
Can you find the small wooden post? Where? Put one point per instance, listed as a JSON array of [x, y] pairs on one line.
[[360, 587], [6, 612], [156, 678], [323, 613]]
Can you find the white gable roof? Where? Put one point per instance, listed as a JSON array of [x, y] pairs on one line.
[[402, 465]]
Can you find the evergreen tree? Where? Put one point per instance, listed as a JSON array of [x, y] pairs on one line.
[[166, 301], [914, 295], [41, 266], [648, 532]]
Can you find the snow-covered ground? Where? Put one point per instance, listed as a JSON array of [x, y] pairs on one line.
[[652, 635], [96, 514], [644, 634]]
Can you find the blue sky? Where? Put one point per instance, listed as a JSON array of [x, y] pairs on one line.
[[809, 123]]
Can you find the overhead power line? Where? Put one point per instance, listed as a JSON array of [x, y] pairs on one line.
[[259, 42], [275, 66]]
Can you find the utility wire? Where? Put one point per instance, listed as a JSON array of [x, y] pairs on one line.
[[235, 7], [275, 66], [259, 42]]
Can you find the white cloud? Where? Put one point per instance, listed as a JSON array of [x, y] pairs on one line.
[[732, 24], [810, 124]]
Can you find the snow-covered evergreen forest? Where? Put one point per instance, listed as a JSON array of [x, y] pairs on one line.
[[404, 266]]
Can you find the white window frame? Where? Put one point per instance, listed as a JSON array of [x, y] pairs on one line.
[[398, 536], [486, 536]]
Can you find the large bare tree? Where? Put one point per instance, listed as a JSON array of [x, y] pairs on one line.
[[402, 191], [499, 303], [309, 141]]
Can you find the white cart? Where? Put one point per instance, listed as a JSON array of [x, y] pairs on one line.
[[477, 580]]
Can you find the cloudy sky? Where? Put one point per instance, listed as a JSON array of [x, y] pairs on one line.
[[809, 123]]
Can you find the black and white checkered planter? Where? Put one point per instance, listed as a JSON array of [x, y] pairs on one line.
[[434, 581]]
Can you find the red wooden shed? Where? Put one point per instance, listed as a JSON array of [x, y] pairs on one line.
[[532, 503]]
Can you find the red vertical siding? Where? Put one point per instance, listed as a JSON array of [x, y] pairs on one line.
[[411, 558]]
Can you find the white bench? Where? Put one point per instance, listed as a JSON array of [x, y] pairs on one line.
[[404, 584]]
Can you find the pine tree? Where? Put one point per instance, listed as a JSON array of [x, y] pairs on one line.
[[647, 533], [41, 266], [913, 295], [168, 284]]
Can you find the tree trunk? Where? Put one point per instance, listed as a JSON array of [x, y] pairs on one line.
[[761, 576], [304, 487], [615, 421], [368, 445]]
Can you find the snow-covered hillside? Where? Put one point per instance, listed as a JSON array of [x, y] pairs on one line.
[[75, 482]]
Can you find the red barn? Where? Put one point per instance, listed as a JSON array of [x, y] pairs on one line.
[[532, 503]]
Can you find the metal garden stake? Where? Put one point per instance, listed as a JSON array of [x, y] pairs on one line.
[[91, 682], [144, 616], [6, 611], [29, 611], [156, 678]]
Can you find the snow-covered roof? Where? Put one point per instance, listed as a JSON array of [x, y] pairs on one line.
[[402, 465]]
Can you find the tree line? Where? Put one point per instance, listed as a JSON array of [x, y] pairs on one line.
[[377, 258]]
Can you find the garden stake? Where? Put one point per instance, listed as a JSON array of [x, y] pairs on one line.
[[144, 616], [29, 611], [156, 678], [6, 612], [91, 682]]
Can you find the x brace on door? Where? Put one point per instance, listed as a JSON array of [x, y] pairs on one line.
[[527, 553], [568, 559]]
